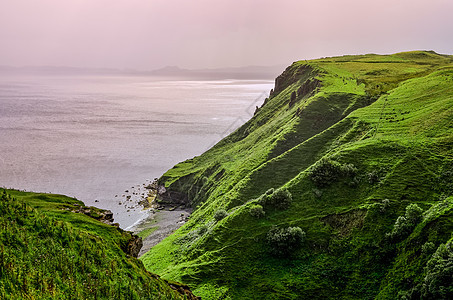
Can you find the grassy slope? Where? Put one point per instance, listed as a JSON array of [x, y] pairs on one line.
[[390, 116], [48, 252]]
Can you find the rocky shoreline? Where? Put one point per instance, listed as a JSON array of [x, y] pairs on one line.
[[163, 218]]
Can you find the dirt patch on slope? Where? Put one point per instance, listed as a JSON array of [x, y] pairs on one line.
[[344, 223]]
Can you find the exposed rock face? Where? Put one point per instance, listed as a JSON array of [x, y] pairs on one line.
[[171, 197], [308, 87], [293, 99], [256, 110], [346, 222], [289, 76], [183, 290], [105, 216], [134, 245], [298, 112]]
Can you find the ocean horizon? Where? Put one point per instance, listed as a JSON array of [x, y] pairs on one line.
[[101, 138]]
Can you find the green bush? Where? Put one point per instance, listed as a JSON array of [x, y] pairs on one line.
[[373, 177], [438, 282], [220, 214], [428, 248], [269, 192], [284, 241], [257, 211], [202, 230], [349, 170], [327, 171], [324, 172], [279, 199], [404, 225]]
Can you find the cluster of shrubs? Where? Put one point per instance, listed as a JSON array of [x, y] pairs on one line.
[[276, 199], [326, 171], [284, 241], [404, 225], [438, 280], [279, 199], [281, 241]]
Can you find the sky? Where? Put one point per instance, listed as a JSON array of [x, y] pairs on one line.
[[150, 34]]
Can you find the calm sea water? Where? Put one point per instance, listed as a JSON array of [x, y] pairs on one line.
[[96, 137]]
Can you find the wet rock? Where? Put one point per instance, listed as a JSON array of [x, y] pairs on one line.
[[161, 190]]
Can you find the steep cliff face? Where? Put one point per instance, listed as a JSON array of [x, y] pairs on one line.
[[357, 141]]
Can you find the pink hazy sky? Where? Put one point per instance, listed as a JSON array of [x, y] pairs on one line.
[[149, 34]]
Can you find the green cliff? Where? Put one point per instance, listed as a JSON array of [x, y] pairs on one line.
[[359, 153]]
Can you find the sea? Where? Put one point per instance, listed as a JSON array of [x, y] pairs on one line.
[[103, 138]]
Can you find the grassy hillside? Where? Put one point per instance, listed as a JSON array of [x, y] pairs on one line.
[[364, 145], [49, 252]]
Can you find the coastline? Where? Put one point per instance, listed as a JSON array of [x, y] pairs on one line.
[[161, 219], [158, 225]]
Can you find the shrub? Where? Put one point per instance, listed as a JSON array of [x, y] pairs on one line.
[[354, 182], [349, 170], [257, 211], [327, 171], [324, 172], [414, 214], [284, 241], [279, 199], [269, 192], [438, 282], [373, 177], [428, 248], [405, 224], [384, 205], [202, 230], [220, 214], [317, 193]]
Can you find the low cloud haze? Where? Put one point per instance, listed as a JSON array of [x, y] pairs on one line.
[[149, 34]]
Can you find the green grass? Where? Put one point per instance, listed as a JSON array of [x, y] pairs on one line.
[[146, 232], [388, 115], [49, 252]]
